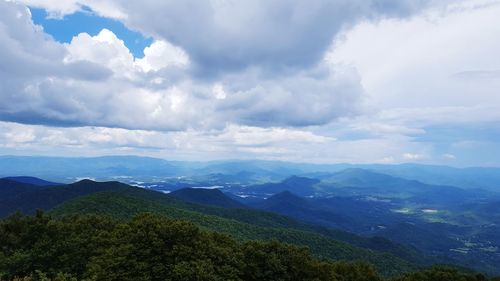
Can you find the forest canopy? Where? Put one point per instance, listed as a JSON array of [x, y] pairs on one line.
[[152, 247]]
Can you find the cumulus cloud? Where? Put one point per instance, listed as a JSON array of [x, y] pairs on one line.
[[223, 35], [96, 81], [104, 48], [428, 61], [162, 54], [29, 61], [311, 97], [257, 79]]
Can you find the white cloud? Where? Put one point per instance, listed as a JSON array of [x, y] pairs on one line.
[[413, 62], [449, 156], [60, 8], [159, 91], [252, 141], [311, 97], [218, 91], [255, 82], [160, 55], [413, 156], [233, 140], [104, 48], [227, 35]]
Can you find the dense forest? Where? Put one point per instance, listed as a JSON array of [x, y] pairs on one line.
[[123, 202], [153, 247]]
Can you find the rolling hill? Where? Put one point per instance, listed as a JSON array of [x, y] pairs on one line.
[[243, 224], [32, 180], [212, 197]]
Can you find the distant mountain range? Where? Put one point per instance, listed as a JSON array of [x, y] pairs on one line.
[[65, 169]]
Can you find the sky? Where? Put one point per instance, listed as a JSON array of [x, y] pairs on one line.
[[321, 81]]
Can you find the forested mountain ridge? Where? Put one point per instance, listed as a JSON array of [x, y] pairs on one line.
[[213, 197], [123, 202], [245, 224], [151, 247]]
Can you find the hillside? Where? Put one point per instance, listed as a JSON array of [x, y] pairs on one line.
[[212, 197], [123, 201], [9, 189], [242, 224], [151, 247], [289, 204], [30, 198], [32, 180], [299, 185]]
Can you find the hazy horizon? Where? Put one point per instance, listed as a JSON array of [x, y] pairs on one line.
[[222, 160]]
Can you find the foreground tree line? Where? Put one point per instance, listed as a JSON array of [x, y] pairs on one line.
[[151, 247]]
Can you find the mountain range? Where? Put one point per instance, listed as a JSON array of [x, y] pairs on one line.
[[383, 214]]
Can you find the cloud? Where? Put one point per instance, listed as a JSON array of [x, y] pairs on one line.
[[227, 35], [414, 62], [252, 141], [236, 35], [96, 81], [449, 156], [413, 156], [245, 142], [104, 48], [478, 74], [289, 80], [162, 54], [58, 9], [311, 97]]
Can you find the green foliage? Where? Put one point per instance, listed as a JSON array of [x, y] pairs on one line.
[[242, 224], [150, 247]]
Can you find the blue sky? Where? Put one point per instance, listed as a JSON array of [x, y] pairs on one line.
[[63, 30], [322, 82]]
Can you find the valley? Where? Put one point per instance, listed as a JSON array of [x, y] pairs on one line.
[[413, 222]]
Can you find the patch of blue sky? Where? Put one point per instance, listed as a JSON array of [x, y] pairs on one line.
[[64, 29]]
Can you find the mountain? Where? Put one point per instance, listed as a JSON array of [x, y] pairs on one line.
[[212, 197], [362, 182], [33, 197], [32, 180], [244, 224], [9, 189], [123, 201], [289, 204], [466, 233], [377, 183], [64, 169], [60, 169], [153, 247], [470, 177], [298, 185], [283, 198]]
